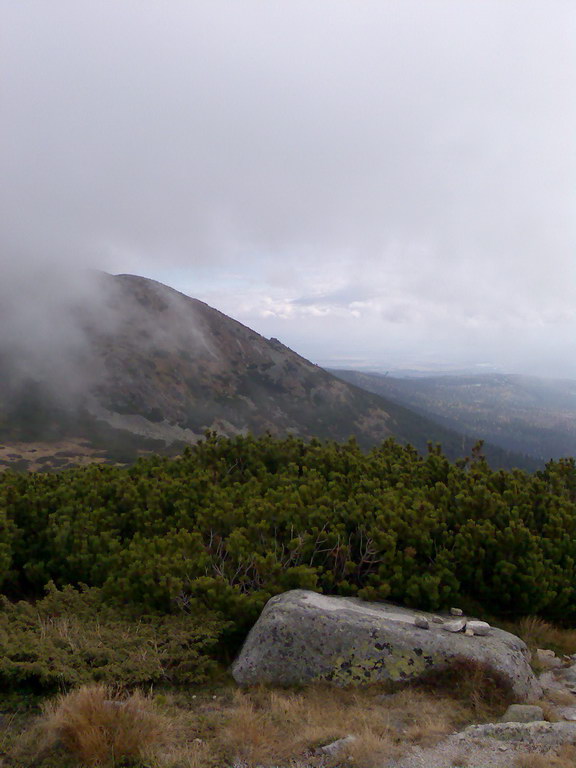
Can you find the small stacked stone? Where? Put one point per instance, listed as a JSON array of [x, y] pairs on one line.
[[457, 624]]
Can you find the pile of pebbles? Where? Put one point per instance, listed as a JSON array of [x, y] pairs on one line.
[[457, 623]]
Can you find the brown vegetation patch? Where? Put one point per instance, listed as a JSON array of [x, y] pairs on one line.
[[565, 757], [39, 456], [263, 727], [482, 688], [97, 726], [268, 727], [538, 633]]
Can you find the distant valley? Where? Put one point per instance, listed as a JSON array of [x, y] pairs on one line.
[[522, 414]]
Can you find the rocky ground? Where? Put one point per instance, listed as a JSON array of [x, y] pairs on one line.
[[410, 728], [541, 735], [516, 709], [302, 636]]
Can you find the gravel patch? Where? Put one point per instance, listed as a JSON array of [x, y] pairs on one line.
[[468, 752], [495, 744]]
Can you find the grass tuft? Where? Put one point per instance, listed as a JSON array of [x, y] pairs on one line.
[[98, 727], [538, 633], [482, 689]]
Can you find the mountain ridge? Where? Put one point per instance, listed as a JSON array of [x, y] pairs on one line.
[[157, 368]]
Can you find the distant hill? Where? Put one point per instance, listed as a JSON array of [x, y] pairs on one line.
[[151, 369], [522, 414]]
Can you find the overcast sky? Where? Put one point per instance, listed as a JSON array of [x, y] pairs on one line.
[[378, 183]]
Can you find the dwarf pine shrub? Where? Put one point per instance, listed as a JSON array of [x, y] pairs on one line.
[[71, 637], [234, 521]]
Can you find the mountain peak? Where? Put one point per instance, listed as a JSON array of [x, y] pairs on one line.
[[156, 365]]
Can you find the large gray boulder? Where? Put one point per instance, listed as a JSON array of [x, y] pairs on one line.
[[303, 637]]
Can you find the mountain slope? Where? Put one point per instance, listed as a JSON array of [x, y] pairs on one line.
[[155, 369]]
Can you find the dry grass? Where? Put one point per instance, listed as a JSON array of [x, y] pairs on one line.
[[567, 753], [267, 727], [461, 760], [549, 710], [260, 726], [78, 451], [195, 754], [371, 748], [564, 758], [561, 697], [98, 727], [538, 633], [482, 689]]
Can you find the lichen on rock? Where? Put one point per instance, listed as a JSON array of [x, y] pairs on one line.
[[304, 637]]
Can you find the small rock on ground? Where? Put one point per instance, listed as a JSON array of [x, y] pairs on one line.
[[336, 746], [568, 674], [547, 659], [481, 628], [522, 713], [457, 625]]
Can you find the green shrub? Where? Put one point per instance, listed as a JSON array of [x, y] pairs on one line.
[[72, 637], [234, 521]]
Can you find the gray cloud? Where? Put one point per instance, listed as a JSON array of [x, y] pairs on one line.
[[395, 177]]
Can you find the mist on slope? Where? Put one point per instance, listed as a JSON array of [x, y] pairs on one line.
[[386, 180], [56, 323]]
